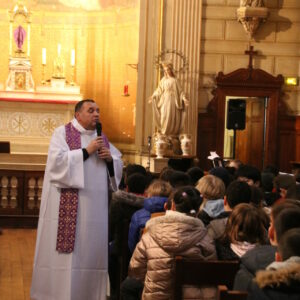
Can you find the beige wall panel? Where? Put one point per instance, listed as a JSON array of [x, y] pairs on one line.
[[233, 3], [292, 101], [280, 49], [289, 3], [213, 30], [235, 31], [224, 47], [264, 63], [211, 63], [215, 12], [271, 3], [288, 33], [233, 62], [284, 15], [207, 80], [289, 66], [214, 2], [266, 32], [205, 96]]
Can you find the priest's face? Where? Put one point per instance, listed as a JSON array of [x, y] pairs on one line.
[[88, 115]]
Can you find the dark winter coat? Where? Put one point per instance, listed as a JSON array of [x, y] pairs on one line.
[[282, 283], [122, 207], [251, 262], [224, 251]]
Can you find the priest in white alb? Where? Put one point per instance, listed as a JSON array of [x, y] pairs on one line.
[[71, 253]]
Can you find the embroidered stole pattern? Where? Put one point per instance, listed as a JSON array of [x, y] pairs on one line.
[[68, 202]]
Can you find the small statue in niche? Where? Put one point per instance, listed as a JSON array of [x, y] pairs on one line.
[[19, 37], [252, 3], [58, 67]]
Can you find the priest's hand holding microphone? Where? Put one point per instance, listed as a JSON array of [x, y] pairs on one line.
[[99, 144]]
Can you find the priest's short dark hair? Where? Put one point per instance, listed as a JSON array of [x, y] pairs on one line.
[[80, 103]]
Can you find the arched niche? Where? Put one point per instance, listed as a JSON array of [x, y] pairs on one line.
[[243, 82]]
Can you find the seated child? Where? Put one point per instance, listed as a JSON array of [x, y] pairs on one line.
[[281, 279], [212, 189], [157, 195], [244, 230], [178, 232]]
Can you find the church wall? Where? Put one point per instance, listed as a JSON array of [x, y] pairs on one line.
[[224, 42], [105, 40]]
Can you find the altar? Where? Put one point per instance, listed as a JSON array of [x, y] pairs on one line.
[[27, 119]]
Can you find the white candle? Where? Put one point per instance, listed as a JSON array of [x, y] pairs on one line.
[[72, 57], [43, 56], [58, 49]]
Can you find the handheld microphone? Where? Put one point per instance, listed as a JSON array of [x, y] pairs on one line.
[[99, 128], [109, 165]]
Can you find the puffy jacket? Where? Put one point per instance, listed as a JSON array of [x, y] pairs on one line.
[[279, 281], [153, 259], [140, 217]]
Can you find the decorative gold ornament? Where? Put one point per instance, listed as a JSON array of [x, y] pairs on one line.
[[164, 56]]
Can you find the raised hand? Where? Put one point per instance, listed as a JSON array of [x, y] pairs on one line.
[[94, 145]]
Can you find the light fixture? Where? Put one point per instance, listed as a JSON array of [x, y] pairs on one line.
[[294, 81]]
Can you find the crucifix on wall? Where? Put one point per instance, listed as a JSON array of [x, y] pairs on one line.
[[251, 53]]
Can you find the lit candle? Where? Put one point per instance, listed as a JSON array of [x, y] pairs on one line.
[[58, 49], [72, 57], [126, 89], [43, 56]]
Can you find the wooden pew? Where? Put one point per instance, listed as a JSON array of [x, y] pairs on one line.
[[199, 272]]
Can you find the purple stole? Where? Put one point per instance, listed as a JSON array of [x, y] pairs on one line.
[[68, 202]]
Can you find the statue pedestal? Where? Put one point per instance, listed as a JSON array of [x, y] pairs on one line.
[[158, 164], [19, 77], [177, 162]]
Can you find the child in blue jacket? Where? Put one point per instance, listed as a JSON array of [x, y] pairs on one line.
[[157, 195]]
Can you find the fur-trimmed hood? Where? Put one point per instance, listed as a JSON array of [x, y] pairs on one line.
[[128, 198], [176, 232], [286, 273]]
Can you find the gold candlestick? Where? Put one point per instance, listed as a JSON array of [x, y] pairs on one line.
[[43, 74]]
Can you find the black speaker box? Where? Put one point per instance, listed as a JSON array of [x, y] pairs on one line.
[[236, 114]]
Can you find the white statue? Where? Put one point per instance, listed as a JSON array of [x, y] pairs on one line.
[[169, 103]]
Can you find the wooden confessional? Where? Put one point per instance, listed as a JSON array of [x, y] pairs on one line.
[[271, 135]]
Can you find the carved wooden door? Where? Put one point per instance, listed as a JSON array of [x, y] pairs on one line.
[[249, 142]]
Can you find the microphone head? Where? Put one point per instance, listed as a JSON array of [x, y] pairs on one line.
[[99, 128]]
